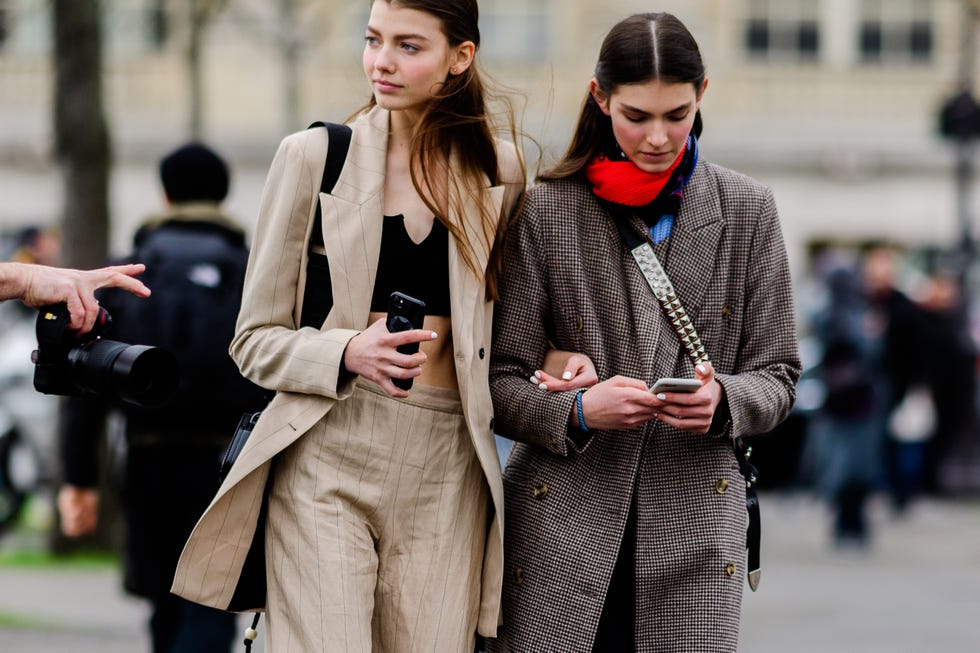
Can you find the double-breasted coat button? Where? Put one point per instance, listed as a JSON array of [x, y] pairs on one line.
[[730, 569], [483, 353], [726, 311], [553, 443], [541, 491], [721, 486], [519, 576]]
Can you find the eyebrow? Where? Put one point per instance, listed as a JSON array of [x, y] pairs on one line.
[[400, 37], [628, 107]]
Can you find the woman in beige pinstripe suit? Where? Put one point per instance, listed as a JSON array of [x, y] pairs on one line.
[[383, 529], [626, 514]]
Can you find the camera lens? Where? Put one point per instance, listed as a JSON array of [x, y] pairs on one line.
[[139, 374]]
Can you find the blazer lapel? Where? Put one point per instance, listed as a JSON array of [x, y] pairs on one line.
[[694, 242], [467, 291], [352, 221]]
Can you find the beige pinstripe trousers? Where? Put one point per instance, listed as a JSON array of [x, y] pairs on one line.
[[376, 528]]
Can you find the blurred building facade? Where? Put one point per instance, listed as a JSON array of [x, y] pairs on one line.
[[834, 103]]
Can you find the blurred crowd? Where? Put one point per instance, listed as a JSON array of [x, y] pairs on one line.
[[888, 401]]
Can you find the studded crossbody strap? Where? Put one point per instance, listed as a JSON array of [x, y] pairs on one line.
[[656, 277]]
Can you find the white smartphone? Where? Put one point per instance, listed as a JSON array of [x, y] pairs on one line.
[[669, 384]]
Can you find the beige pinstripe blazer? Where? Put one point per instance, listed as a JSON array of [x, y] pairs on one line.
[[303, 365]]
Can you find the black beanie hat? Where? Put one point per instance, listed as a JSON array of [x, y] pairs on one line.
[[194, 173]]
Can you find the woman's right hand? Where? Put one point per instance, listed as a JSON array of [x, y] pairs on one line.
[[373, 354], [575, 370], [617, 403]]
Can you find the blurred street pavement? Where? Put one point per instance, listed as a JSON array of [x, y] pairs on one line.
[[914, 590]]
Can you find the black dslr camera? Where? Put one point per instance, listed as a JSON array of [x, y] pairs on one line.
[[90, 365]]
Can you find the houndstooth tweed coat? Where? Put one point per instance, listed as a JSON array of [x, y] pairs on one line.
[[568, 281]]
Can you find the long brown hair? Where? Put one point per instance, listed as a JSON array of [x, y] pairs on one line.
[[638, 49], [457, 120]]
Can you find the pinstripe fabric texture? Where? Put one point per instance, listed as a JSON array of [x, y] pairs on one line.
[[389, 497], [303, 364], [569, 281]]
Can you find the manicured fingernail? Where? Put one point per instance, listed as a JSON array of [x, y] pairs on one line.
[[566, 375], [534, 380], [662, 397], [543, 386], [434, 335], [537, 374], [702, 369]]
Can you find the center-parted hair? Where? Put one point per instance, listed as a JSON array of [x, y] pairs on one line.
[[638, 49]]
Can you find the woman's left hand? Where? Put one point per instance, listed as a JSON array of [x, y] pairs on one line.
[[568, 371], [693, 411]]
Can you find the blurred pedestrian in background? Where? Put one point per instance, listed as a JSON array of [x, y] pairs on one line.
[[625, 510], [908, 346], [196, 258], [37, 245], [845, 434], [951, 464]]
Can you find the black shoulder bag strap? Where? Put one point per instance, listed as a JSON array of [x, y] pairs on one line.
[[656, 277], [318, 296]]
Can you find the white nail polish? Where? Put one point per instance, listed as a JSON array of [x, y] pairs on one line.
[[537, 374], [434, 335], [534, 380], [566, 375], [662, 397], [543, 386], [702, 369]]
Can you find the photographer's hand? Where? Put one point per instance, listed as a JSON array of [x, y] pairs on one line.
[[40, 285], [79, 509]]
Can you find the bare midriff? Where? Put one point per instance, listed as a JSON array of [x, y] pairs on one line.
[[440, 367]]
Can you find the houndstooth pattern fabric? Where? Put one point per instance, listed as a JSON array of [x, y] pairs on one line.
[[569, 282]]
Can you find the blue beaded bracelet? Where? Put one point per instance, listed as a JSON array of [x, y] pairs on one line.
[[578, 407]]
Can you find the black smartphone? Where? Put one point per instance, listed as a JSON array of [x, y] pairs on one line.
[[405, 313]]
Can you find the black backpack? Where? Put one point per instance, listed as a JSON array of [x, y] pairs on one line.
[[195, 271]]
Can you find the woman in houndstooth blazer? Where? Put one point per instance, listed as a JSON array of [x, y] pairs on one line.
[[626, 518]]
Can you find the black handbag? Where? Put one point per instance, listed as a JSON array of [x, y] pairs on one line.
[[318, 294]]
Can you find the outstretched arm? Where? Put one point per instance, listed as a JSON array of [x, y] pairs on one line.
[[39, 285]]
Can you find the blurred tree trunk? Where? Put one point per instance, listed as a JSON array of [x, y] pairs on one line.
[[81, 132], [83, 151], [200, 15]]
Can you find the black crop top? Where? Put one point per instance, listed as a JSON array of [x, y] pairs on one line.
[[419, 270]]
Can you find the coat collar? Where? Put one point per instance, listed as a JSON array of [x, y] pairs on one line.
[[694, 240]]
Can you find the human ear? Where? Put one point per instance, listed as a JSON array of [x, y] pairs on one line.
[[600, 98], [462, 57], [700, 91]]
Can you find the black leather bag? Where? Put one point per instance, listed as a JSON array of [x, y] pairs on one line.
[[242, 431]]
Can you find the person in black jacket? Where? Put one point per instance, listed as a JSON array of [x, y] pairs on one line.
[[195, 258]]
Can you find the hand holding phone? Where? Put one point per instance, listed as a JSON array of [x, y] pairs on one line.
[[405, 313], [671, 384]]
